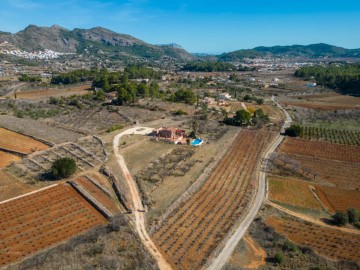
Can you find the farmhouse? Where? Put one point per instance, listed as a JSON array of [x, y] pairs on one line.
[[224, 96], [172, 135]]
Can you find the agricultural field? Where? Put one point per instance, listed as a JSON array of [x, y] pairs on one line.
[[38, 130], [326, 150], [15, 142], [341, 174], [88, 152], [6, 159], [292, 192], [166, 107], [325, 102], [88, 120], [114, 245], [330, 243], [193, 230], [349, 137], [91, 184], [11, 187], [235, 106], [47, 93], [335, 199], [338, 119], [42, 219], [138, 147], [269, 242]]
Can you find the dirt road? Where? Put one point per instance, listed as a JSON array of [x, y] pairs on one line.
[[230, 245], [139, 217]]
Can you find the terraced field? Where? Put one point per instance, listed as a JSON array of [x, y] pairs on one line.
[[19, 143], [90, 120], [328, 242], [336, 199], [194, 229], [38, 129], [90, 184], [42, 219], [87, 152]]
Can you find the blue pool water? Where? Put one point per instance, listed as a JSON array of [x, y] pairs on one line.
[[197, 142]]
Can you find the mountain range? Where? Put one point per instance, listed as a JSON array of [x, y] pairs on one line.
[[100, 41], [94, 41], [307, 51]]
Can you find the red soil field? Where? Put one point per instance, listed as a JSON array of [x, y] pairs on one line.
[[39, 94], [103, 198], [189, 235], [336, 199], [320, 149], [330, 243], [39, 220], [319, 106], [19, 143], [342, 174], [326, 102], [6, 159]]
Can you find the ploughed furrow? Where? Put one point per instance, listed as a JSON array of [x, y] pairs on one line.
[[213, 208], [42, 219], [104, 199], [194, 202], [225, 210], [201, 203], [197, 226]]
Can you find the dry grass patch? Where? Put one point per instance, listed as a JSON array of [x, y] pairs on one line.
[[293, 192], [139, 151], [247, 255], [11, 187]]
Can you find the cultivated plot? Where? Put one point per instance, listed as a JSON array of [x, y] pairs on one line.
[[194, 229], [42, 219]]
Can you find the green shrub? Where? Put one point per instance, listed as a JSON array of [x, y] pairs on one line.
[[341, 218], [115, 127], [278, 258], [353, 215], [63, 167], [294, 131], [180, 112], [259, 101]]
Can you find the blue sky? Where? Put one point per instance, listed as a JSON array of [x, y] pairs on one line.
[[198, 25]]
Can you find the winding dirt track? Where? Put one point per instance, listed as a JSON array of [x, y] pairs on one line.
[[139, 217]]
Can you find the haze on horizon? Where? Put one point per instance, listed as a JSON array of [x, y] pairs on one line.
[[199, 26]]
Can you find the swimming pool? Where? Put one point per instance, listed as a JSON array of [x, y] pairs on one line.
[[197, 142]]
